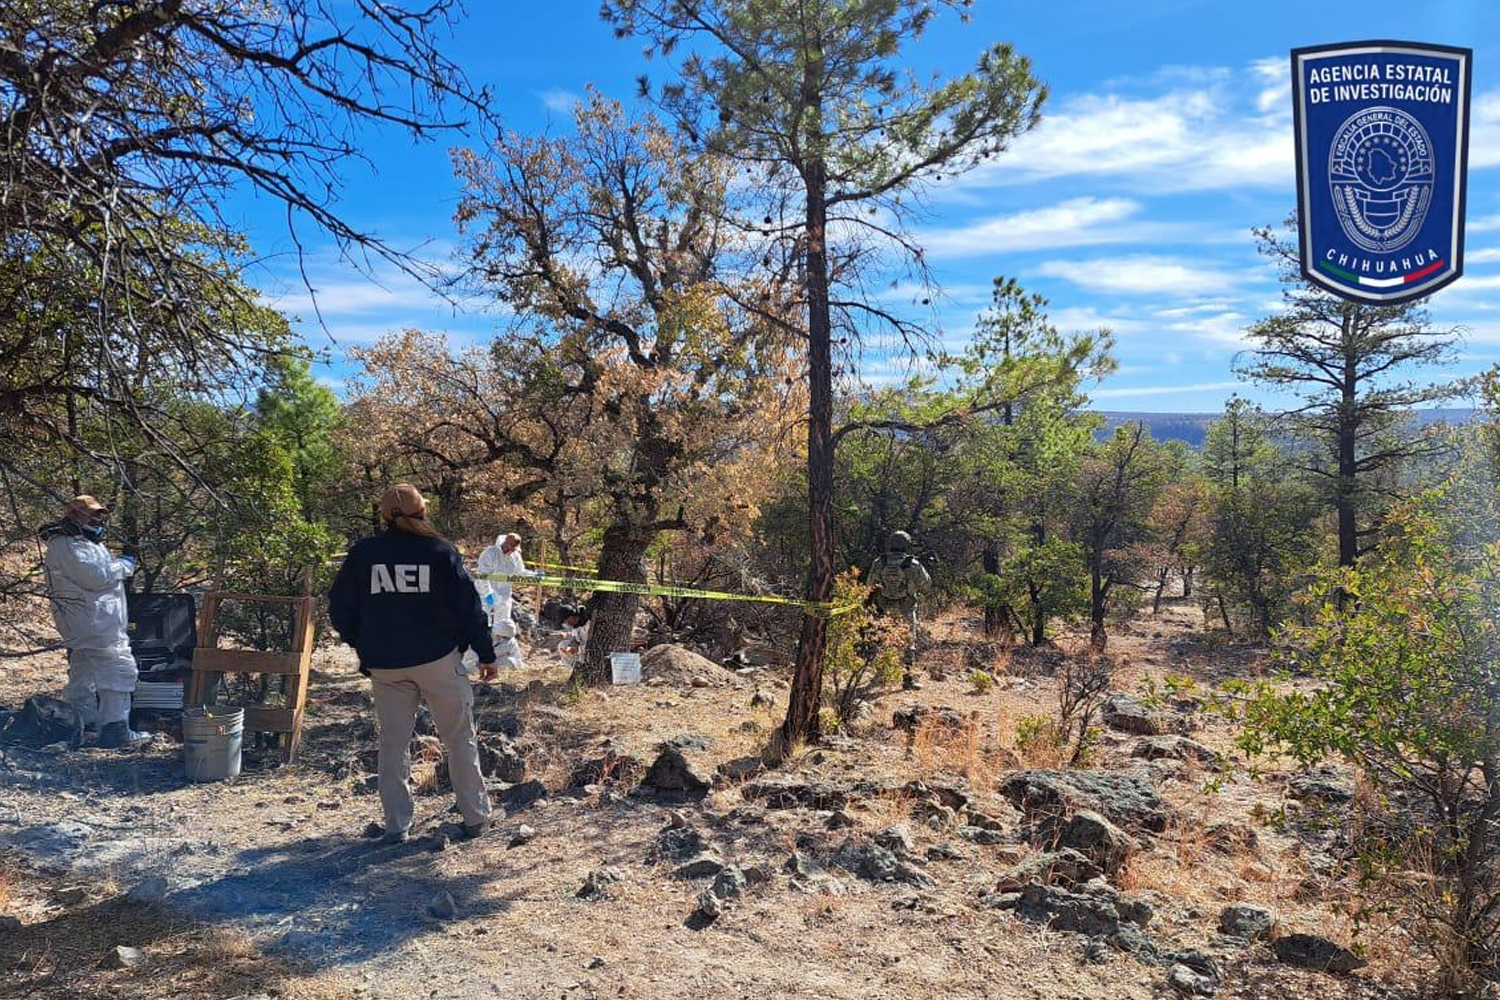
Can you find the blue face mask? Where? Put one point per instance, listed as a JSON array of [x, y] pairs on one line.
[[93, 532]]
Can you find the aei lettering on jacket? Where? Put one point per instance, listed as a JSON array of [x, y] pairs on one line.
[[400, 579]]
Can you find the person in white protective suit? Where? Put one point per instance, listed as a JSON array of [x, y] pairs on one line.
[[575, 643], [502, 557], [87, 589]]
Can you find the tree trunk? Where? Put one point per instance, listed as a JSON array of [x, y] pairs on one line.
[[1098, 596], [1038, 618], [1187, 582], [1161, 585], [612, 616], [1348, 486], [801, 724], [994, 614]]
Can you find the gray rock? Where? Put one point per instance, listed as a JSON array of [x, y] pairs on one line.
[[122, 957], [1308, 951], [1126, 799], [839, 819], [678, 843], [1200, 962], [876, 864], [524, 835], [674, 774], [1327, 785], [685, 742], [780, 791], [610, 768], [525, 794], [741, 768], [710, 906], [895, 838], [980, 835], [762, 698], [1097, 839], [916, 717], [1130, 715], [596, 884], [705, 865], [1001, 900], [802, 866], [984, 820], [1242, 920], [730, 883], [1189, 983], [148, 892], [948, 791], [1132, 940], [1065, 867], [10, 923], [945, 852], [443, 906], [1090, 909], [1177, 748]]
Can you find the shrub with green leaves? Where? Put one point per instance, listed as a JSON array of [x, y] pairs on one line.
[[864, 649], [1407, 649]]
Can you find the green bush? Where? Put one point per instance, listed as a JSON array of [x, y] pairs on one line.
[[864, 649], [1406, 648]]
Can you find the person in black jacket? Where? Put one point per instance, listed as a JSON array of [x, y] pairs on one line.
[[407, 605]]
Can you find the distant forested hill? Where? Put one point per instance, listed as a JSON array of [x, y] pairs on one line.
[[1191, 427]]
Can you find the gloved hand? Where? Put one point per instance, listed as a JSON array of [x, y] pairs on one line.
[[129, 565]]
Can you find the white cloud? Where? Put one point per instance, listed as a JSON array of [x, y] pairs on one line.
[[1075, 222], [1484, 131], [558, 100], [1222, 130], [358, 298], [1224, 328], [1484, 224], [1138, 274], [1489, 255], [1082, 319]]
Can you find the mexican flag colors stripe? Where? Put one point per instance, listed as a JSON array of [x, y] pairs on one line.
[[1347, 275]]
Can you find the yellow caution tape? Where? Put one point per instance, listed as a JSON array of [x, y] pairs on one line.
[[822, 609]]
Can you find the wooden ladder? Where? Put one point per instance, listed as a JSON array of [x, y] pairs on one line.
[[210, 663]]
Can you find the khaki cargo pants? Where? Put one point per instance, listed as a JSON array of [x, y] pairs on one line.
[[450, 699]]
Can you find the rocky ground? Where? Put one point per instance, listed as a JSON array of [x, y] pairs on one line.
[[642, 852]]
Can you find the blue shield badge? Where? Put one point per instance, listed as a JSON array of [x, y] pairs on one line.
[[1382, 154]]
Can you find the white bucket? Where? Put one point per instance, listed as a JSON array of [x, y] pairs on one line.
[[211, 741]]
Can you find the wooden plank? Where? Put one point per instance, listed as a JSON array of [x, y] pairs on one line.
[[270, 720], [302, 646], [246, 661]]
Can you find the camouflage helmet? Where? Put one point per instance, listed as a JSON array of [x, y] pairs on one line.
[[899, 541]]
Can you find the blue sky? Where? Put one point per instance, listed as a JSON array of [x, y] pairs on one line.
[[1167, 136]]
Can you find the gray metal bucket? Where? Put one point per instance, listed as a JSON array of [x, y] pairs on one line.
[[211, 741]]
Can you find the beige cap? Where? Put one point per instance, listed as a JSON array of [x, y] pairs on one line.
[[86, 504], [402, 499]]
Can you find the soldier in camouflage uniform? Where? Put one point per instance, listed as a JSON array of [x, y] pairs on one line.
[[897, 579]]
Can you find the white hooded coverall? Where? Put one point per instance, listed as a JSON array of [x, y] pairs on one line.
[[88, 605], [494, 559]]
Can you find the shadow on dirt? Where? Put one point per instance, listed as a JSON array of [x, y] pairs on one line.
[[340, 900]]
